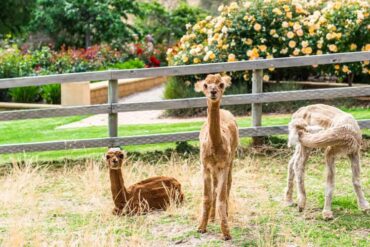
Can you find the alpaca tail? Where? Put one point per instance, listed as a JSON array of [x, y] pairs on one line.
[[336, 136]]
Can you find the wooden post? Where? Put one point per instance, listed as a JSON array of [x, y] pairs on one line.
[[113, 117], [257, 87]]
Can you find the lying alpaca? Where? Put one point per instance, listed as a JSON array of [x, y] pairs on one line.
[[323, 126], [147, 195], [219, 139]]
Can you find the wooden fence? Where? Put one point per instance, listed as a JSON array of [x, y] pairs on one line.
[[112, 107]]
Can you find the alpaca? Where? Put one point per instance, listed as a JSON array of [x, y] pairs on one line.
[[149, 194], [219, 139], [323, 126]]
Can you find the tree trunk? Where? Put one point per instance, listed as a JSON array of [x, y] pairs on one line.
[[88, 37]]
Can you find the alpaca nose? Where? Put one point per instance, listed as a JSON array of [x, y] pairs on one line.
[[213, 93]]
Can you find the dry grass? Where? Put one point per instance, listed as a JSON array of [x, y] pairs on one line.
[[71, 206]]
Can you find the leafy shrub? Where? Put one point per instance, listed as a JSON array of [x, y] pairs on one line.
[[15, 62], [271, 29], [130, 64], [278, 28], [166, 26], [25, 94], [51, 93]]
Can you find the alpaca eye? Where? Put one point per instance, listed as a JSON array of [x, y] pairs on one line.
[[205, 86], [120, 156], [222, 85], [107, 157]]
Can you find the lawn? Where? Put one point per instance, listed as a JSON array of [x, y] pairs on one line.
[[71, 206], [37, 130]]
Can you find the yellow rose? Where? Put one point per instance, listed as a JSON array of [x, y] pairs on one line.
[[329, 36], [231, 58], [304, 44], [286, 8], [212, 56], [257, 27], [296, 52], [300, 32], [253, 54], [185, 58], [266, 78], [319, 52], [345, 69], [277, 11], [366, 62], [292, 44], [353, 47], [249, 41], [319, 45], [224, 47], [367, 47], [337, 67], [297, 26], [290, 35], [196, 60], [285, 24], [272, 31], [307, 50], [333, 48], [262, 48], [289, 15]]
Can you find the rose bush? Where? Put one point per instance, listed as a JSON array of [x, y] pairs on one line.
[[279, 28]]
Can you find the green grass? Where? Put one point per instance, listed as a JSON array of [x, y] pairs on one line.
[[48, 206], [39, 130]]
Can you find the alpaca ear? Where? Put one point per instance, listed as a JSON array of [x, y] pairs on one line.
[[226, 80], [198, 86]]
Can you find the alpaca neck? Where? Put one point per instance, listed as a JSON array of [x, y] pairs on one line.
[[214, 126], [119, 192]]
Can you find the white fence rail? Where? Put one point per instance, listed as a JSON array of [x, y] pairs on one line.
[[112, 107]]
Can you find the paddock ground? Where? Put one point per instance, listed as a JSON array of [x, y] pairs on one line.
[[71, 205]]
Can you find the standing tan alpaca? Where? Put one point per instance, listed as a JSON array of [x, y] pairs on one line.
[[219, 139], [323, 126], [149, 194]]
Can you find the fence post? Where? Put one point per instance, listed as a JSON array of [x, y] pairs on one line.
[[113, 117], [257, 87]]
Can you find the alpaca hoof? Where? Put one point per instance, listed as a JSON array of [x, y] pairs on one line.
[[201, 230], [227, 237], [327, 215]]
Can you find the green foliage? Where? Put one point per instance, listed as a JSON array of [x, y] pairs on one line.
[[82, 23], [17, 63], [25, 94], [15, 15], [130, 64], [167, 26], [213, 5], [51, 93]]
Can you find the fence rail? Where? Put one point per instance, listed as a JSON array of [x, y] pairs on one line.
[[187, 103], [188, 69], [112, 108]]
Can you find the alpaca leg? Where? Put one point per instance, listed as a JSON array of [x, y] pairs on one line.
[[330, 177], [214, 196], [356, 170], [299, 169], [207, 199], [290, 179], [222, 202], [229, 182]]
